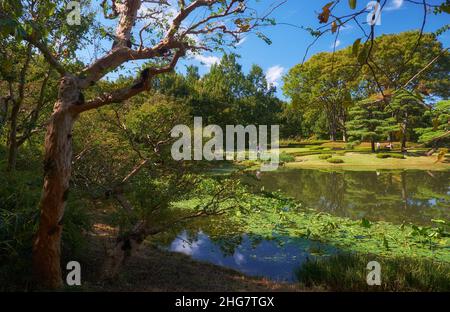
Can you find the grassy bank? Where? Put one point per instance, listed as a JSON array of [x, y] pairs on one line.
[[347, 156], [347, 272], [365, 161]]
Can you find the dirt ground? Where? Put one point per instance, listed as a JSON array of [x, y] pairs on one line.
[[152, 269]]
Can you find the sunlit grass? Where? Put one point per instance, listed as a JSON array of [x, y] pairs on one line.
[[358, 161]]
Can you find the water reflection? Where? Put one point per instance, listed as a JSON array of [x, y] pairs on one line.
[[394, 196], [275, 259]]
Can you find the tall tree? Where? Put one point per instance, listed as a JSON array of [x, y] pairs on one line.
[[325, 83], [366, 121], [407, 109], [147, 33], [396, 58]]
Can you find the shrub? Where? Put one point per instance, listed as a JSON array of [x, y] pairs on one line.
[[19, 217], [290, 142], [351, 145], [325, 156], [389, 155], [285, 157], [316, 148], [335, 160]]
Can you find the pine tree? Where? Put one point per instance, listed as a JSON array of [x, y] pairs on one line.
[[367, 120], [407, 109]]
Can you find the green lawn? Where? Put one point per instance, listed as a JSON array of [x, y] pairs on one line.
[[361, 161]]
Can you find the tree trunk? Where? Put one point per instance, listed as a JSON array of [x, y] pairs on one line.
[[404, 132], [3, 111], [404, 143], [124, 248], [404, 191], [431, 152], [372, 145], [57, 172]]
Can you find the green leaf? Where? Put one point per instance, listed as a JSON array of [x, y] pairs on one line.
[[363, 54], [385, 243], [264, 37], [366, 223], [355, 47], [438, 221], [352, 4]]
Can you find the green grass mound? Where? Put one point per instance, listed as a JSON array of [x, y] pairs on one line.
[[335, 160], [398, 156], [390, 155], [347, 272], [317, 148], [285, 157], [325, 156]]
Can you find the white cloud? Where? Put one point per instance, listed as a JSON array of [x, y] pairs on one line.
[[168, 11], [393, 5], [207, 60], [336, 44], [181, 244], [346, 27], [274, 74], [241, 42], [239, 258]]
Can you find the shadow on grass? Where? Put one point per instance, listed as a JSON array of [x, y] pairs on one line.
[[347, 272]]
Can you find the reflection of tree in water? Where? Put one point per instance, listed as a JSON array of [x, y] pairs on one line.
[[396, 196]]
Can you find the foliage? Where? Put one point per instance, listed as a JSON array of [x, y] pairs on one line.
[[18, 223], [335, 160], [325, 87], [346, 272], [273, 215], [389, 155], [225, 95], [326, 156], [285, 157], [407, 110], [367, 117], [436, 133], [353, 144]]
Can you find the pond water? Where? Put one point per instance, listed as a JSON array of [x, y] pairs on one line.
[[394, 196], [275, 259]]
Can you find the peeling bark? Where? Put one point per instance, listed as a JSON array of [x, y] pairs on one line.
[[57, 171]]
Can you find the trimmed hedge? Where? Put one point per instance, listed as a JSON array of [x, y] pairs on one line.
[[325, 156], [335, 160], [390, 155]]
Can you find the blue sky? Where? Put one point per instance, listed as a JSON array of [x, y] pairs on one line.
[[289, 43]]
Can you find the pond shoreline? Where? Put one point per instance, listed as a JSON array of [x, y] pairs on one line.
[[153, 269]]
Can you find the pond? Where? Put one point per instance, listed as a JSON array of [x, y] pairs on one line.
[[276, 259], [393, 196]]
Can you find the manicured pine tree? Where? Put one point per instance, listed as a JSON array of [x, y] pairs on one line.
[[407, 109], [366, 119], [439, 133]]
